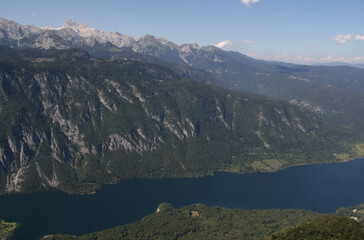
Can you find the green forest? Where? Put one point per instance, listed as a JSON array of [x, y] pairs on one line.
[[201, 222]]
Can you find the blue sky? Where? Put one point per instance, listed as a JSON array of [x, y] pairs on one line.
[[301, 31]]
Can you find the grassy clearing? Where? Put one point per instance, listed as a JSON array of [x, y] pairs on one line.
[[342, 156], [361, 211], [359, 149], [268, 165]]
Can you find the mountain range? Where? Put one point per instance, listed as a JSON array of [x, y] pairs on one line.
[[334, 92], [80, 107]]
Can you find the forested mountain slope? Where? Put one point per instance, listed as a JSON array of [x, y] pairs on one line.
[[72, 122]]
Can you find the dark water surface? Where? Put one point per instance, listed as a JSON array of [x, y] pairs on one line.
[[323, 188]]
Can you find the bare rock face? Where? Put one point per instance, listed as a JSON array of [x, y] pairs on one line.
[[15, 31], [118, 39], [70, 35]]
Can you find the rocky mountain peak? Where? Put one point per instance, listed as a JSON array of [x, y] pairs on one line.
[[12, 30], [211, 48], [69, 23], [116, 38], [146, 37], [189, 47], [150, 40]]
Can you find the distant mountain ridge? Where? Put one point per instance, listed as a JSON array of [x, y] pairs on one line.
[[335, 64], [73, 34], [100, 43], [83, 30]]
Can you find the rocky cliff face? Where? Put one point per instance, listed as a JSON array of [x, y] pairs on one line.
[[72, 122]]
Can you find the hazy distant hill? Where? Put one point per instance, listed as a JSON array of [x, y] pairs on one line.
[[336, 64]]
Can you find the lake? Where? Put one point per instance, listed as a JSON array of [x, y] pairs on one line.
[[323, 188]]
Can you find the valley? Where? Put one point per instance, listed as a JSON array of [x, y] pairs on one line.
[[98, 128], [318, 189]]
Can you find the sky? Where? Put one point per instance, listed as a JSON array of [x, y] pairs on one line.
[[298, 31]]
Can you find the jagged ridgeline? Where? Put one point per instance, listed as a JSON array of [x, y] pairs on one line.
[[71, 122]]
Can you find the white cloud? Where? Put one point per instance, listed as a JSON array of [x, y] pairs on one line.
[[358, 59], [342, 38], [293, 59], [331, 58], [359, 37], [223, 44], [247, 42], [258, 56], [248, 2], [300, 59]]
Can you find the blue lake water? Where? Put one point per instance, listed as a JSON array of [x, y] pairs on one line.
[[323, 188]]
